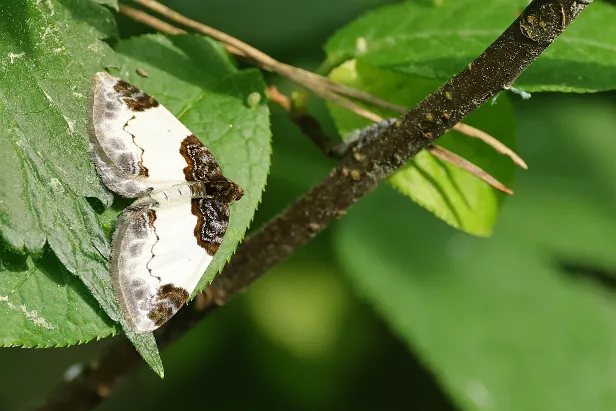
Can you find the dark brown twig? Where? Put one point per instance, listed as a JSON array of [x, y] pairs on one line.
[[493, 70], [307, 124]]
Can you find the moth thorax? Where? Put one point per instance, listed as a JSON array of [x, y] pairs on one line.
[[224, 189], [179, 192]]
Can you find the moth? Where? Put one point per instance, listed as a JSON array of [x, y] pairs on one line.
[[167, 237]]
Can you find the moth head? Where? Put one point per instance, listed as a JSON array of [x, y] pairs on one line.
[[225, 189]]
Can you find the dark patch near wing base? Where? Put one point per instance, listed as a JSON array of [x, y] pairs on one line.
[[202, 165], [212, 211], [169, 299], [136, 99], [212, 220]]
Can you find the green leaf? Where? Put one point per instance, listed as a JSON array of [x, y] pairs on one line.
[[44, 305], [439, 41], [449, 192], [46, 173], [496, 317], [46, 73], [193, 77]]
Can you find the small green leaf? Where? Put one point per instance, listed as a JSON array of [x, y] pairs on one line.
[[452, 194], [44, 305], [437, 42], [46, 71], [46, 172]]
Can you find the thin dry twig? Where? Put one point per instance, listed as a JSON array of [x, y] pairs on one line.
[[465, 129], [149, 20], [163, 26], [317, 84], [492, 142], [277, 97], [322, 86], [467, 166], [311, 128], [265, 60]]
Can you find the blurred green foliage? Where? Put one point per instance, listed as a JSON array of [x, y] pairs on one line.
[[437, 42], [390, 308]]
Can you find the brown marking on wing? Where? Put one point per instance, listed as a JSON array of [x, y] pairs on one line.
[[143, 170], [151, 218], [212, 211], [169, 299], [212, 221], [136, 99], [201, 164]]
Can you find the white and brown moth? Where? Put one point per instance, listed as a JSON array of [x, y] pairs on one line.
[[165, 240]]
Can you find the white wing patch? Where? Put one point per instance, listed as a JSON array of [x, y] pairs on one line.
[[166, 239], [134, 139]]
